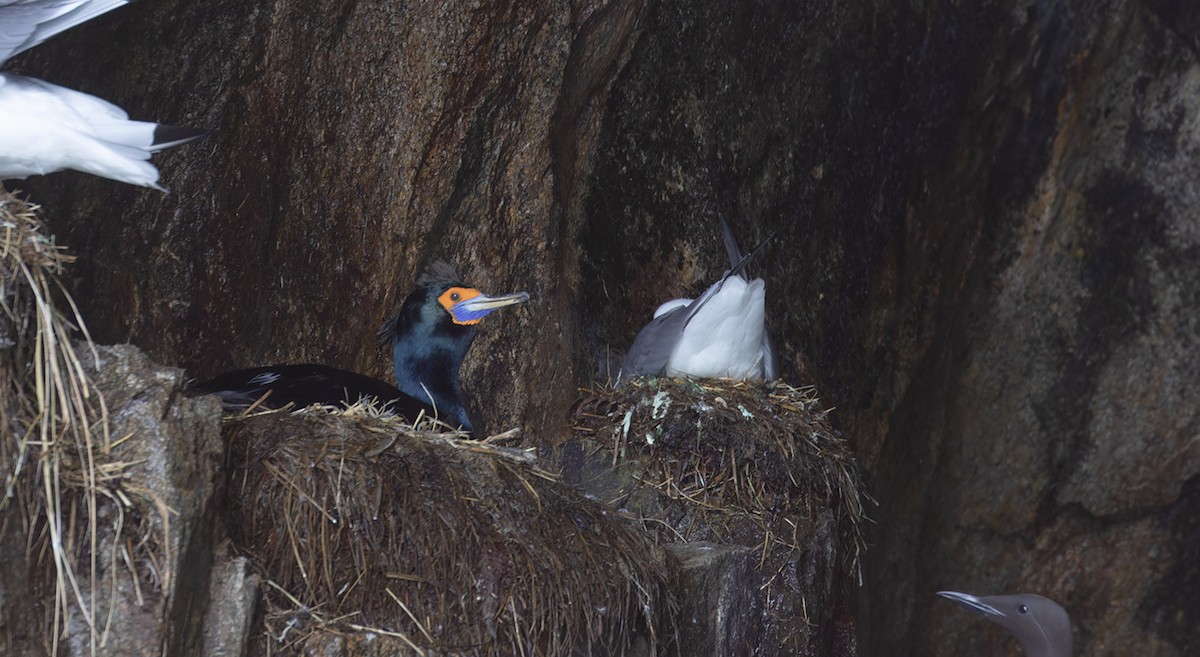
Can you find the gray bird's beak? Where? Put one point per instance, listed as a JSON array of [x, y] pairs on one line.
[[971, 602]]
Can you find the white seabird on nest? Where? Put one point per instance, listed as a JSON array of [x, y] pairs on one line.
[[720, 334], [46, 128]]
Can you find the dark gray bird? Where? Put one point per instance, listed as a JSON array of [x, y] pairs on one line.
[[720, 334], [306, 384], [1041, 626], [46, 128]]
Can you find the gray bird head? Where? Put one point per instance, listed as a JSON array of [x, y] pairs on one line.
[[1040, 624]]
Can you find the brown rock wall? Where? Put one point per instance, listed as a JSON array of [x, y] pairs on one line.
[[984, 256]]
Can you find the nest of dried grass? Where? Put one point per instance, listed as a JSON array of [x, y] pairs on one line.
[[62, 494], [733, 451], [738, 463], [426, 543]]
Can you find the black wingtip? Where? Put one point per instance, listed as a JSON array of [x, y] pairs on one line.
[[731, 245], [168, 136], [738, 261], [740, 265]]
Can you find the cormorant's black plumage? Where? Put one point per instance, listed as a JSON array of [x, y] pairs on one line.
[[304, 385]]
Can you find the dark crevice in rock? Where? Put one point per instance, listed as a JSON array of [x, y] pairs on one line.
[[1161, 612], [1181, 18]]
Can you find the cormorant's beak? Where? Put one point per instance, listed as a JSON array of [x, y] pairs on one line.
[[469, 311], [971, 602], [487, 303]]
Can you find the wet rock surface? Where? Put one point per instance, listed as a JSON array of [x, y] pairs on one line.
[[1066, 427], [140, 546], [234, 592], [175, 448], [720, 616]]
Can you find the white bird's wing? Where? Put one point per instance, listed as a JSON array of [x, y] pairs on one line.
[[46, 128], [26, 23], [723, 339], [731, 246], [93, 118], [770, 365], [89, 107], [652, 348], [657, 342]]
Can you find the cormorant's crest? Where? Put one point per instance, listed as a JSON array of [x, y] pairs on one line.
[[439, 271]]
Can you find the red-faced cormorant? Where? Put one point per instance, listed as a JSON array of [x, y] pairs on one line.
[[430, 337]]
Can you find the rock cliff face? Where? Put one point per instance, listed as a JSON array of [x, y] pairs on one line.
[[985, 252]]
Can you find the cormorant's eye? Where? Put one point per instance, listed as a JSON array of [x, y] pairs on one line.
[[1023, 609], [454, 296]]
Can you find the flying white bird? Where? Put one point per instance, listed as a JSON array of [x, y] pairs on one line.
[[46, 128], [26, 23], [720, 334]]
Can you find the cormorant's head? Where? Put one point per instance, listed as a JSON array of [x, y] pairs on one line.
[[442, 305], [432, 332], [461, 304]]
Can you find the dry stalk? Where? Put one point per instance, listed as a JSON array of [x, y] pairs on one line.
[[55, 443]]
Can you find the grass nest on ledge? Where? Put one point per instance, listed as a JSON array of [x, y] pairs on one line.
[[733, 462], [380, 537]]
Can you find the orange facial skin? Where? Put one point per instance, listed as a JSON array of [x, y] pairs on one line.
[[456, 295]]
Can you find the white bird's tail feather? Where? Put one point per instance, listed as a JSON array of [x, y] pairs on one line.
[[170, 136]]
